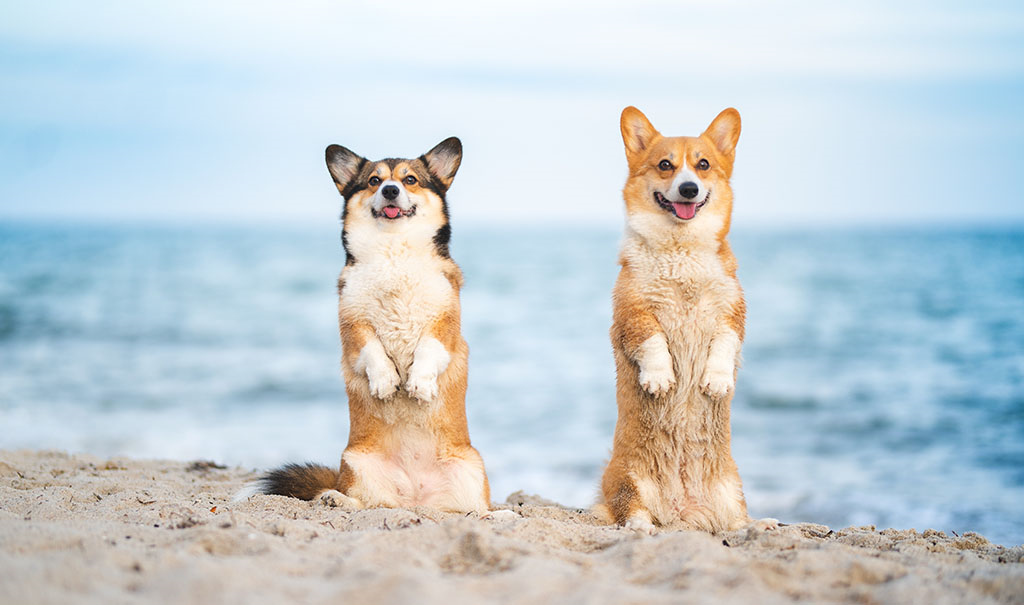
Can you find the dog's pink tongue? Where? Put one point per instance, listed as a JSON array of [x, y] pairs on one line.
[[392, 211], [685, 210]]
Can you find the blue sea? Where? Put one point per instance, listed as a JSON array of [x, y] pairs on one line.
[[883, 380]]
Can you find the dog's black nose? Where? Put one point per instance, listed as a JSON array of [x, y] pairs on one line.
[[390, 192], [688, 190]]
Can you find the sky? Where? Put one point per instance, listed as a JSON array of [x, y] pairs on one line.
[[865, 112]]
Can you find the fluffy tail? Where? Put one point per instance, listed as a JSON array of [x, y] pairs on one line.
[[302, 481]]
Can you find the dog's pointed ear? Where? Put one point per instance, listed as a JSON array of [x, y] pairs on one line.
[[344, 165], [444, 159], [724, 132], [637, 131]]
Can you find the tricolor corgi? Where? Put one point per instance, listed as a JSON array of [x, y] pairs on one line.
[[403, 356], [678, 318]]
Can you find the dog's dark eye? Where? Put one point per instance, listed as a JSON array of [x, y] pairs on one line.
[[703, 165], [374, 181], [409, 180], [665, 165]]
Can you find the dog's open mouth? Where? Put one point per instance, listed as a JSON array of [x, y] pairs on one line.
[[682, 210], [393, 212]]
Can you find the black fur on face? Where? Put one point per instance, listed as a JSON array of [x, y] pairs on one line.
[[435, 170]]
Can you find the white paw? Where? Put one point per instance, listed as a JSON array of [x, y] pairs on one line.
[[422, 385], [380, 370], [501, 515], [383, 379], [720, 373], [657, 380], [766, 524], [428, 362], [336, 499], [641, 524], [717, 383], [655, 362]]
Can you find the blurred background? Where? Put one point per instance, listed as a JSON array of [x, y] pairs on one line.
[[169, 233]]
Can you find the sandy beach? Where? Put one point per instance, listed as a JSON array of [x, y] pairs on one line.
[[76, 528]]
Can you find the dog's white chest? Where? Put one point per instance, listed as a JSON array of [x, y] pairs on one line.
[[399, 296], [689, 291], [690, 294]]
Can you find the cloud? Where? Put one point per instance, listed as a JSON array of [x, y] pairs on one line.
[[224, 108], [866, 39]]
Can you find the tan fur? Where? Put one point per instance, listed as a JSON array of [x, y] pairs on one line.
[[404, 451], [403, 356], [677, 293]]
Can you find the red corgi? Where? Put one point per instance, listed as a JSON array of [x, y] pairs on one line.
[[677, 327]]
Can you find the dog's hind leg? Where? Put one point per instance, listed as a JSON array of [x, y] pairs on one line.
[[336, 499], [465, 487], [623, 501]]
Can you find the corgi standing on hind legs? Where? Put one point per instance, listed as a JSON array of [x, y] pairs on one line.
[[403, 356], [678, 320]]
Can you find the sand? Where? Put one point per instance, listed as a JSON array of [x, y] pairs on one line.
[[76, 528]]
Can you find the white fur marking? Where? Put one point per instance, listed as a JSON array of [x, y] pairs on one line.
[[656, 373], [766, 524], [429, 360], [640, 522], [720, 372], [650, 494], [683, 176], [378, 482], [379, 370], [248, 491], [406, 472], [403, 201], [336, 499], [463, 487], [502, 515]]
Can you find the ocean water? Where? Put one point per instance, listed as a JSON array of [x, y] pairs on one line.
[[883, 380]]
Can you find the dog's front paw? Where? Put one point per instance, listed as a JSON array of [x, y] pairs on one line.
[[717, 383], [655, 365], [429, 361], [657, 380], [422, 383], [383, 379], [380, 370], [422, 386]]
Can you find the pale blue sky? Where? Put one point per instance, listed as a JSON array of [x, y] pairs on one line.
[[865, 112]]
